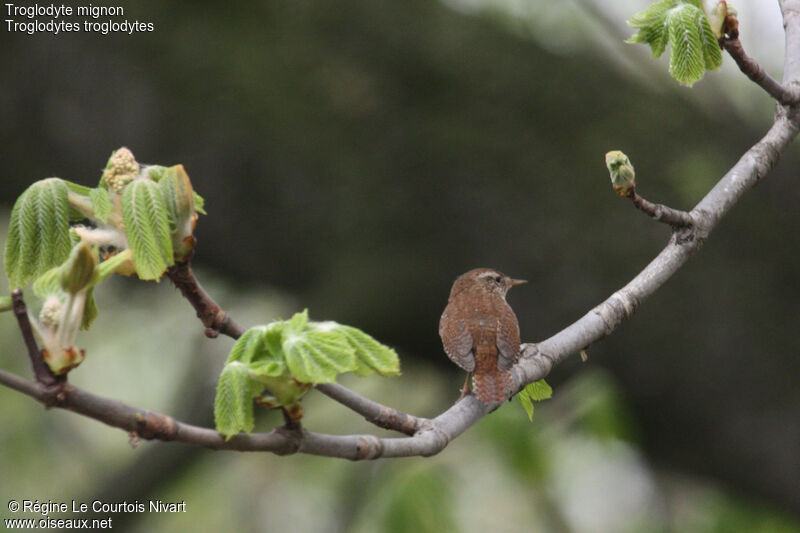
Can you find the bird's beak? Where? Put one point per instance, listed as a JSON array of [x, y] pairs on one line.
[[518, 282]]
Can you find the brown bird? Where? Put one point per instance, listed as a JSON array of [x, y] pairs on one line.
[[480, 332]]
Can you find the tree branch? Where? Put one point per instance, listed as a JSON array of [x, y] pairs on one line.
[[756, 72], [210, 314], [661, 213], [380, 415]]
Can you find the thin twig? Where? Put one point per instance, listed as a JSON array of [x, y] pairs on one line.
[[210, 314], [375, 413], [41, 371], [662, 213], [756, 72]]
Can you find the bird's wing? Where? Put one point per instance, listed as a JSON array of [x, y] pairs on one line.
[[507, 338], [457, 341]]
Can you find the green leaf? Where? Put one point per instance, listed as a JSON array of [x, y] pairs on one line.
[[154, 172], [273, 338], [6, 304], [250, 346], [267, 368], [178, 196], [101, 203], [686, 62], [147, 228], [682, 23], [318, 356], [652, 26], [233, 405], [79, 189], [38, 235], [534, 392], [539, 390], [371, 355], [526, 403], [90, 310], [75, 214], [48, 283], [199, 204], [297, 323]]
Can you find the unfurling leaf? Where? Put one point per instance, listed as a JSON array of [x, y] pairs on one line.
[[318, 356], [623, 177], [147, 228], [682, 23], [79, 269], [179, 202], [38, 234], [6, 304], [534, 392], [371, 356], [716, 12], [287, 357], [233, 405], [101, 203]]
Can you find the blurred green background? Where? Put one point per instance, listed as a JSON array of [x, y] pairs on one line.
[[355, 157]]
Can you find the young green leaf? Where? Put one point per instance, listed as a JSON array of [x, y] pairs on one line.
[[371, 355], [38, 235], [682, 23], [90, 310], [318, 356], [297, 324], [233, 405], [652, 26], [178, 196], [534, 392], [620, 168], [78, 270], [199, 204], [147, 228], [6, 304], [249, 347], [101, 203], [48, 283]]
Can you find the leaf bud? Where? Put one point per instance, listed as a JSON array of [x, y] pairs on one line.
[[79, 268], [623, 177], [716, 12]]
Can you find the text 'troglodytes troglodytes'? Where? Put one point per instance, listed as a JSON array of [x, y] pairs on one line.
[[480, 332]]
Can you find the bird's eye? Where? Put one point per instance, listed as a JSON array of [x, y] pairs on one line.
[[498, 279]]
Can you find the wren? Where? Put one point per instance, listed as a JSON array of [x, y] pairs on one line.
[[480, 332]]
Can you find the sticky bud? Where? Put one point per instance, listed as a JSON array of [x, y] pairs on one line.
[[623, 177], [63, 360], [78, 269], [120, 170], [716, 12], [179, 197]]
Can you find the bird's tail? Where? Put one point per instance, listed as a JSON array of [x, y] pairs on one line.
[[492, 386]]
